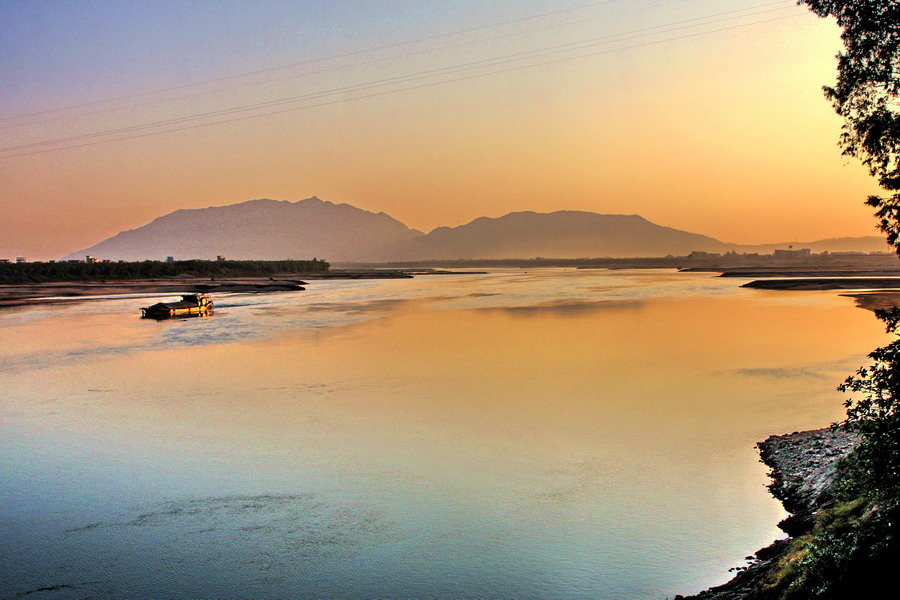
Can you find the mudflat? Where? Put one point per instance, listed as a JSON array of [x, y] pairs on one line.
[[61, 291], [826, 283]]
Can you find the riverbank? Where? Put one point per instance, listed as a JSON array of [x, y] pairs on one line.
[[38, 293], [803, 470], [803, 464], [827, 283]]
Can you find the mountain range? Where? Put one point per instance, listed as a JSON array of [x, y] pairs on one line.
[[273, 230]]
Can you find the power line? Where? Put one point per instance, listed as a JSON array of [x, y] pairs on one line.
[[331, 69], [383, 93], [311, 61], [537, 53]]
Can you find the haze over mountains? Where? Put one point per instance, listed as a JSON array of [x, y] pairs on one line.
[[561, 234], [273, 230], [259, 229]]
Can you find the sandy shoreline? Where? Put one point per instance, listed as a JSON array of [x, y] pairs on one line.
[[826, 283], [41, 293], [63, 291]]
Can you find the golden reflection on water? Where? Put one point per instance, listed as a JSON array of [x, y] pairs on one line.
[[568, 427]]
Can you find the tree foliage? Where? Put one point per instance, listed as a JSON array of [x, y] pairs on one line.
[[850, 553], [866, 95], [854, 545], [874, 412]]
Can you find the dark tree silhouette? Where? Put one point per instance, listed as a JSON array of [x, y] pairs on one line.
[[854, 546], [867, 95]]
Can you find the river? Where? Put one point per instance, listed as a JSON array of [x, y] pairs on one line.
[[520, 434]]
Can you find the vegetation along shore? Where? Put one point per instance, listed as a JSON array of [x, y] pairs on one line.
[[804, 470], [840, 485], [843, 485]]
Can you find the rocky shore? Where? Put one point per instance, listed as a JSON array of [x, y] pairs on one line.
[[803, 471]]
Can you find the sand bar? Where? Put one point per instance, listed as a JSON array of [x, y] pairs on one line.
[[62, 291]]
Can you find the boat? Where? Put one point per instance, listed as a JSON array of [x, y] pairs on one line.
[[190, 305]]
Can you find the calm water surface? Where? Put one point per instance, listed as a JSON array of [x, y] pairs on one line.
[[542, 434]]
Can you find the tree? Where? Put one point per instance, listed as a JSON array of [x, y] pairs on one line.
[[874, 412], [867, 96], [854, 546]]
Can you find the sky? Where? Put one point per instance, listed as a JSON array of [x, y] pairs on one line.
[[702, 115]]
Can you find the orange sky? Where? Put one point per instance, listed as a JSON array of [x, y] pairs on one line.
[[712, 124]]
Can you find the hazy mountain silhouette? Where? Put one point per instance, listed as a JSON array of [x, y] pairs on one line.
[[259, 229], [273, 229], [562, 234]]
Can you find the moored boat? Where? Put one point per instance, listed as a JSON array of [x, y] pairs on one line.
[[189, 305]]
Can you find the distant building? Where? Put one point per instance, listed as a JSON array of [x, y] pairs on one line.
[[791, 253], [90, 259], [220, 258], [20, 259], [170, 259], [4, 260]]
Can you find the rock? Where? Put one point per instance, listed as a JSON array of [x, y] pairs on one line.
[[804, 468], [803, 471]]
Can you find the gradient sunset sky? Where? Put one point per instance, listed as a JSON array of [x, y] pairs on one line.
[[702, 115]]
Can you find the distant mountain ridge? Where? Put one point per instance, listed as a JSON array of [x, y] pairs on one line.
[[258, 229], [560, 234], [267, 229]]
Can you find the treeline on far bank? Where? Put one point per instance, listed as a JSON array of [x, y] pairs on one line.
[[38, 272]]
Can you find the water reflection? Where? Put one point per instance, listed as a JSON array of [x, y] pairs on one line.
[[411, 438], [568, 307]]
